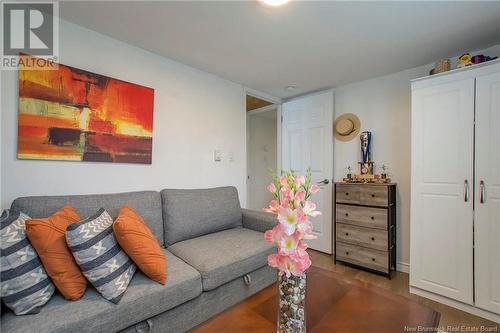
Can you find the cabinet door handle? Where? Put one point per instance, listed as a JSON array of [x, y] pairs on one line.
[[481, 193], [466, 190]]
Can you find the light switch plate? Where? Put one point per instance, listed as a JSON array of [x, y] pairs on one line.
[[217, 155]]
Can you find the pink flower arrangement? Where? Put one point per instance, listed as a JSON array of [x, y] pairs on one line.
[[291, 204]]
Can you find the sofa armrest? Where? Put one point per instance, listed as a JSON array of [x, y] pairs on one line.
[[258, 221]]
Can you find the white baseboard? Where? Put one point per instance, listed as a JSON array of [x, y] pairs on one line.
[[458, 305], [403, 267]]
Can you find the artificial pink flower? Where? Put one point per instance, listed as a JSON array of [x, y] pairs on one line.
[[273, 208], [274, 235], [288, 244], [314, 188], [271, 188], [288, 219], [299, 196], [299, 180], [272, 260], [304, 227], [310, 209], [293, 225]]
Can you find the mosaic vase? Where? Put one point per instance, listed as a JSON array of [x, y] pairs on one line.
[[292, 302]]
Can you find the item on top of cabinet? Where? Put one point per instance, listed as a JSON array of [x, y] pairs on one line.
[[479, 58], [488, 58], [346, 127], [464, 60], [366, 164], [442, 66]]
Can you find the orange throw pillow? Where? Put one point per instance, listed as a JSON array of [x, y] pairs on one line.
[[47, 236], [137, 240]]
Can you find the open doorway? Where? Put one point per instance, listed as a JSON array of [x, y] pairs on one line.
[[262, 150]]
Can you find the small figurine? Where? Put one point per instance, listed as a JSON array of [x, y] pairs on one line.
[[464, 60], [383, 175], [349, 174]]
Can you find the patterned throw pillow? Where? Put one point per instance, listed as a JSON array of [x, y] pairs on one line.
[[25, 286], [101, 259]]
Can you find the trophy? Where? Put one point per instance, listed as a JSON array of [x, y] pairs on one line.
[[383, 175], [366, 164], [349, 174]]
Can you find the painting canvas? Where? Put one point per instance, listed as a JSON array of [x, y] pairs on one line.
[[72, 114]]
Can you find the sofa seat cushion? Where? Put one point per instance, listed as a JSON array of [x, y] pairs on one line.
[[92, 313], [225, 255]]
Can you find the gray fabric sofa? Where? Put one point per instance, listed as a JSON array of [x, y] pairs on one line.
[[216, 257]]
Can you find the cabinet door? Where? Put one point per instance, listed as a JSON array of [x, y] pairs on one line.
[[441, 259], [487, 196]]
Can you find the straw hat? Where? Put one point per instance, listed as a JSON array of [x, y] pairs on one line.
[[347, 126]]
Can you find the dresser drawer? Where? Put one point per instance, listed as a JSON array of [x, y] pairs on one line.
[[362, 216], [347, 193], [372, 238], [374, 259], [374, 195]]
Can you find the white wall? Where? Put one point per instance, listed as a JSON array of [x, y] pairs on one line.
[[262, 157], [384, 107], [195, 113]]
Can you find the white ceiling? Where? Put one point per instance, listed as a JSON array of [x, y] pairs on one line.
[[313, 45]]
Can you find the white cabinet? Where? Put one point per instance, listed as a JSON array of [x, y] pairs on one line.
[[487, 195], [455, 189], [442, 154]]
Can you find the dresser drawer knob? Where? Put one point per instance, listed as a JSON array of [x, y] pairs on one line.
[[346, 214], [373, 238], [346, 193], [347, 234], [347, 253], [373, 259], [373, 217], [373, 195]]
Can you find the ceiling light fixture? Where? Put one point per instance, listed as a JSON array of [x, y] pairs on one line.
[[274, 3], [290, 88]]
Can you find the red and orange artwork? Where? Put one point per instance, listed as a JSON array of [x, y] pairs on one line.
[[72, 114]]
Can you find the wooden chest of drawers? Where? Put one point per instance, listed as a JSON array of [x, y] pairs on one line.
[[365, 226]]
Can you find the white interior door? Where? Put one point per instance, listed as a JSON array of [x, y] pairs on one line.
[[307, 142], [487, 194], [442, 189]]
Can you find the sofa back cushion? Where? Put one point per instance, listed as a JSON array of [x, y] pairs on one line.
[[146, 203], [193, 213]]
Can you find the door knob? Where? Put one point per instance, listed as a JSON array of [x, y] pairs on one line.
[[324, 182]]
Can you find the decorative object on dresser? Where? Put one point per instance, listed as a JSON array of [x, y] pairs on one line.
[[455, 189], [365, 226]]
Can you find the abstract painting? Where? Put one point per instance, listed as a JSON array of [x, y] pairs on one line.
[[72, 114]]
